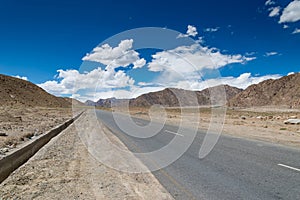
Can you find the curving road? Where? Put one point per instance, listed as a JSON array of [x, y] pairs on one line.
[[235, 169]]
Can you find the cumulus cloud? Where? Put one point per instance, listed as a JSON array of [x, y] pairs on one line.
[[242, 81], [69, 84], [21, 77], [272, 53], [71, 81], [95, 96], [211, 29], [269, 2], [119, 93], [139, 63], [285, 26], [291, 13], [187, 59], [291, 73], [275, 11], [191, 31], [180, 67], [296, 31], [145, 84], [200, 40], [122, 55]]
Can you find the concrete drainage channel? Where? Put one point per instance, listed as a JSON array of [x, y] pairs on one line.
[[18, 157]]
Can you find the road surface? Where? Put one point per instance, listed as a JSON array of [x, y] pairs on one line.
[[235, 169]]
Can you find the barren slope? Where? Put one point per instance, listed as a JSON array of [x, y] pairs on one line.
[[18, 92], [170, 97], [284, 92]]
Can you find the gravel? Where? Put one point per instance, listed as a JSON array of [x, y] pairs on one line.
[[63, 169]]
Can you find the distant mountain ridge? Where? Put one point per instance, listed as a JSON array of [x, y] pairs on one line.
[[279, 92], [18, 92], [169, 97]]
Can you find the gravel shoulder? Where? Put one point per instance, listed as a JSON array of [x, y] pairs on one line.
[[259, 123], [64, 169], [21, 124]]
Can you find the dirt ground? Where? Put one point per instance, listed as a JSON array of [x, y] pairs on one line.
[[262, 123], [64, 169], [19, 124]]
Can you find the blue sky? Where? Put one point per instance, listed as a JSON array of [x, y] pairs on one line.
[[39, 37]]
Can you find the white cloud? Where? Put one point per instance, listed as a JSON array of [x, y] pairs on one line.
[[189, 62], [122, 55], [296, 31], [119, 94], [272, 53], [145, 84], [187, 59], [291, 13], [95, 96], [191, 31], [269, 2], [285, 26], [243, 81], [291, 73], [180, 67], [71, 81], [21, 77], [274, 11], [200, 40], [250, 53], [211, 29], [139, 63]]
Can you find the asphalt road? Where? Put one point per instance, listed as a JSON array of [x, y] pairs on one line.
[[235, 169]]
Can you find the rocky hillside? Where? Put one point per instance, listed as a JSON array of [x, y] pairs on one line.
[[75, 102], [18, 92], [218, 92], [90, 103], [106, 103], [169, 97], [284, 92]]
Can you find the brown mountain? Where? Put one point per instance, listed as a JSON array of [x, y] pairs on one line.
[[217, 93], [18, 92], [106, 103], [170, 97], [284, 92], [167, 97], [75, 102]]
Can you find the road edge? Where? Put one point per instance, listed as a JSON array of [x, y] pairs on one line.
[[117, 141], [18, 157]]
